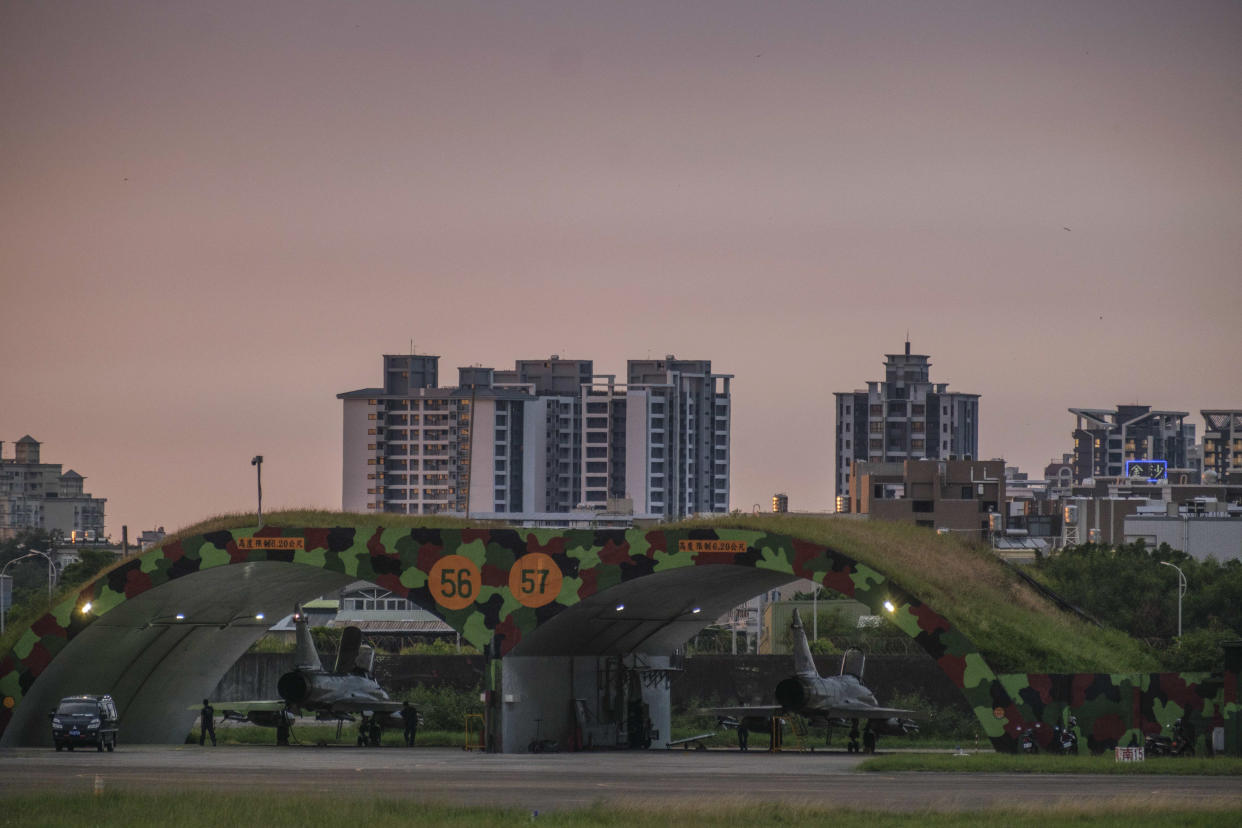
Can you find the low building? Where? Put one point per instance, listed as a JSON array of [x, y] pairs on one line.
[[1202, 528], [949, 495]]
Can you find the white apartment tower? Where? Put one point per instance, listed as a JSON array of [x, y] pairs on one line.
[[548, 436], [905, 416], [37, 495]]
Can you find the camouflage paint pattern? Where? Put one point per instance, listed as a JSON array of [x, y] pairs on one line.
[[1116, 709], [590, 561]]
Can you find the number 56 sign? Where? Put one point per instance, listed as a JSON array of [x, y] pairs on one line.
[[534, 580]]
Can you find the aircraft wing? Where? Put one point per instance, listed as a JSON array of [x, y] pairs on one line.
[[359, 705], [246, 706], [865, 711], [746, 710]]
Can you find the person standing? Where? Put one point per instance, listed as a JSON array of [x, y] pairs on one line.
[[410, 715], [207, 726]]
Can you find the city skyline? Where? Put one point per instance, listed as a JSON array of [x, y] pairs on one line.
[[216, 216]]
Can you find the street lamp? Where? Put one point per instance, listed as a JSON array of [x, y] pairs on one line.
[[51, 574], [51, 566], [257, 462], [1181, 590]]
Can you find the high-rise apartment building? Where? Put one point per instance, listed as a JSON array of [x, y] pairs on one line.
[[905, 416], [1222, 442], [1104, 439], [549, 436], [37, 495]]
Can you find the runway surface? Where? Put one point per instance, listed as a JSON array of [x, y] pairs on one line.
[[566, 780]]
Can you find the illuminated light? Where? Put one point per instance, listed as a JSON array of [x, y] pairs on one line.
[[87, 607], [696, 610], [888, 605], [258, 616], [620, 607], [181, 616]]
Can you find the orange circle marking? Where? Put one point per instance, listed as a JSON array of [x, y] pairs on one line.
[[454, 582], [535, 579]]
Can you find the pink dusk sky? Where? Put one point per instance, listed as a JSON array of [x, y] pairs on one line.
[[216, 216]]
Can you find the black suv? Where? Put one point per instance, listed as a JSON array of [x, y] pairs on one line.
[[84, 720]]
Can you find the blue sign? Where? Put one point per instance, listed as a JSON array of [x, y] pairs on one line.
[[1150, 470]]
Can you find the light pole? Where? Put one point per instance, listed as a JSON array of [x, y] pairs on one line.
[[51, 574], [1181, 590], [51, 567], [257, 462]]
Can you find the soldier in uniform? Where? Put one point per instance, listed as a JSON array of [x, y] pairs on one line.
[[207, 726], [409, 715]]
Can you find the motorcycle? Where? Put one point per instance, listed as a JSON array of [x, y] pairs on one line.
[[1028, 743], [1065, 739], [1181, 743]]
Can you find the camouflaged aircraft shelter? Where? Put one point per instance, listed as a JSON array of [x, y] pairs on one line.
[[580, 626]]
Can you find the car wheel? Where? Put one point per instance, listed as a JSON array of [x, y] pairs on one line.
[[71, 748], [59, 748]]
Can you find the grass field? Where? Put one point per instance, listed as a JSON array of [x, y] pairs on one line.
[[1045, 763], [192, 810]]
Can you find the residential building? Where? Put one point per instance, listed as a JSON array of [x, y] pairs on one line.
[[38, 495], [949, 495], [1222, 442], [903, 417], [549, 437], [1106, 439]]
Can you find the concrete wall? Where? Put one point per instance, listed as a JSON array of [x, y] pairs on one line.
[[1199, 537]]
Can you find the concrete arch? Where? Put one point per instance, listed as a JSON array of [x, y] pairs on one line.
[[132, 643]]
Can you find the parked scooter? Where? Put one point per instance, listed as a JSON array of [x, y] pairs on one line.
[[1065, 739], [1028, 743], [1181, 743]]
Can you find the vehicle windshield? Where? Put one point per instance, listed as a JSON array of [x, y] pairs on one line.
[[78, 708]]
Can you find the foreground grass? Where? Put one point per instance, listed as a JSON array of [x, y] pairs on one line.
[[1044, 763], [194, 809]]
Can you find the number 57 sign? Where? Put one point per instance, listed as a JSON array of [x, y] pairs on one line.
[[534, 580]]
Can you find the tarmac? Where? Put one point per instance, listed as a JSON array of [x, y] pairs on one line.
[[561, 781]]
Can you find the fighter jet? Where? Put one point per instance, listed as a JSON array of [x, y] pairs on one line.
[[349, 689], [824, 701]]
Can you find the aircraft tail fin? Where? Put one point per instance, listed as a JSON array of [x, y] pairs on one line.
[[804, 664], [347, 655], [853, 661], [305, 656]]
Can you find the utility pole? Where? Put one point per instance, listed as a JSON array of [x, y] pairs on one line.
[[1181, 590], [257, 462]]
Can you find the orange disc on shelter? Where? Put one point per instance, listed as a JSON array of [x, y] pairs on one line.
[[454, 582], [535, 579]]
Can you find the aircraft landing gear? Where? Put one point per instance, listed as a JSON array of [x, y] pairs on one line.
[[852, 745]]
